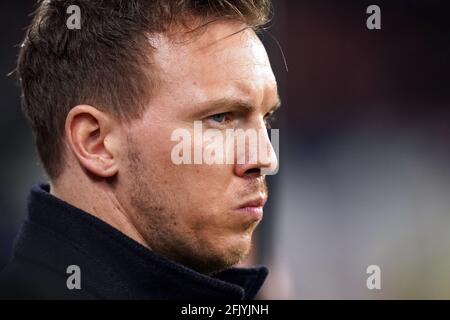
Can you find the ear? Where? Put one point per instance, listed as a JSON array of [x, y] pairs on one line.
[[90, 137]]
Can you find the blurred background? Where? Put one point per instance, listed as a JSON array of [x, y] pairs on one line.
[[364, 149]]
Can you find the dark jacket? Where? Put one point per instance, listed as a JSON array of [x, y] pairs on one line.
[[57, 235]]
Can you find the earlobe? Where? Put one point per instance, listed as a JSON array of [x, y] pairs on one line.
[[88, 131]]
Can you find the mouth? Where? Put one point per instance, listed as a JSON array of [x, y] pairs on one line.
[[253, 208]]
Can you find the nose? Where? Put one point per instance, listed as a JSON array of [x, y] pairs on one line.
[[259, 157]]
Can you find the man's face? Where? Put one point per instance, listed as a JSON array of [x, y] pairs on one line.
[[200, 215]]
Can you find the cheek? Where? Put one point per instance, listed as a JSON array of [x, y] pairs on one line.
[[199, 190], [202, 179], [155, 148], [207, 187]]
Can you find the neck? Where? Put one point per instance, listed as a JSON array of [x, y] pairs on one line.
[[98, 199]]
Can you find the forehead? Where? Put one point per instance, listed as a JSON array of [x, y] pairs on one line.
[[226, 59]]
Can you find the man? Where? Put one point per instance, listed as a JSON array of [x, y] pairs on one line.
[[120, 218]]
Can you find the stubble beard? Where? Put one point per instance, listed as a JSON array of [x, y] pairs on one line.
[[156, 219]]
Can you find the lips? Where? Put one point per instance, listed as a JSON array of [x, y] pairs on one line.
[[253, 208], [259, 202]]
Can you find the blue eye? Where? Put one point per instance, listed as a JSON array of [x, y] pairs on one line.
[[220, 117]]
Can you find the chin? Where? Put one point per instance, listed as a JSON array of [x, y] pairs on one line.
[[221, 256], [231, 254]]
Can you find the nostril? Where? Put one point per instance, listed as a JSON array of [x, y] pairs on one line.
[[253, 173]]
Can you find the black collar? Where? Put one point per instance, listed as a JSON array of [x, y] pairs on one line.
[[113, 265]]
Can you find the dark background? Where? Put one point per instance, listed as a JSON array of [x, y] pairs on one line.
[[364, 166]]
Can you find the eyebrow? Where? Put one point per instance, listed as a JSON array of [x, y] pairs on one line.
[[230, 104]]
